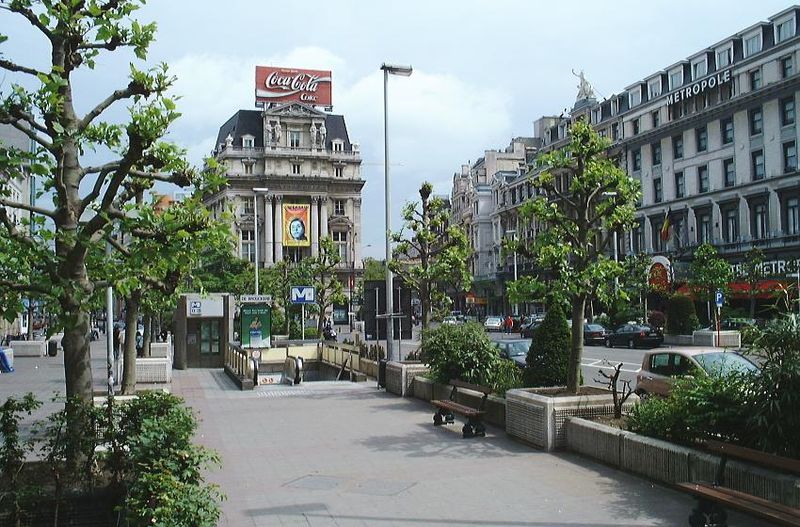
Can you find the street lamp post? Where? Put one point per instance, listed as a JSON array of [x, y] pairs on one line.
[[513, 232], [403, 71], [616, 245], [256, 192]]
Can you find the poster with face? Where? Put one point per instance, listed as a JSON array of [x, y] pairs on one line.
[[296, 223]]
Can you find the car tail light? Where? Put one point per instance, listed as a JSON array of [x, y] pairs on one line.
[[642, 333]]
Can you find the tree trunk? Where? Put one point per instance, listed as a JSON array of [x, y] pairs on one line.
[[148, 333], [425, 305], [77, 355], [129, 355], [576, 349]]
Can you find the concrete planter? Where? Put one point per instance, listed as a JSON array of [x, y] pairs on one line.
[[538, 418], [153, 370], [495, 407], [670, 463], [400, 376], [721, 339], [29, 348]]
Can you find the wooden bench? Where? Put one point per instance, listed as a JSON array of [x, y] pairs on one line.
[[713, 497], [446, 408]]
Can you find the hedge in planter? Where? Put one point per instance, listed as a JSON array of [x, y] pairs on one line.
[[460, 352], [548, 356], [681, 315]]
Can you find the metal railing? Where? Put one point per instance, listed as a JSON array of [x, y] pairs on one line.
[[238, 361]]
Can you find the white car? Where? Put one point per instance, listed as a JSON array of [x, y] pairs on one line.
[[493, 324], [450, 321]]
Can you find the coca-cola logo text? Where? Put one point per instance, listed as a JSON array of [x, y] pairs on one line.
[[280, 84]]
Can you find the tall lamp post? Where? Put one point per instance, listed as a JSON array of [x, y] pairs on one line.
[[616, 245], [403, 71], [513, 232], [256, 192]]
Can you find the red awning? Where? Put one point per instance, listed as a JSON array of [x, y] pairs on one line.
[[765, 289]]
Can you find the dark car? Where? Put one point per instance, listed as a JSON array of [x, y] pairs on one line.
[[594, 334], [527, 329], [635, 336], [516, 350]]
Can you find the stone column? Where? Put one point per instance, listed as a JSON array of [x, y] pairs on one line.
[[774, 213], [692, 226], [278, 228], [323, 228], [648, 235], [357, 232], [314, 226], [744, 220], [269, 245], [716, 223]]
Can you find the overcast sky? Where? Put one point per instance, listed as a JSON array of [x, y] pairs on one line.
[[483, 70]]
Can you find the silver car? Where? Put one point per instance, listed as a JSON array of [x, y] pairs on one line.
[[493, 324]]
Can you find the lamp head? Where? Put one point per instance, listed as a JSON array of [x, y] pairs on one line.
[[394, 69]]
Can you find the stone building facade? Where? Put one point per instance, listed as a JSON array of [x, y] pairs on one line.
[[312, 172]]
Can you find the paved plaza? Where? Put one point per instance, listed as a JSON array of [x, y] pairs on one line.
[[345, 454]]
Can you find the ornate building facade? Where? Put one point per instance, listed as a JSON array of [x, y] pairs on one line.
[[311, 171]]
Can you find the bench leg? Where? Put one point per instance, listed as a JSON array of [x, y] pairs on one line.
[[467, 431], [708, 514], [480, 430], [449, 418], [437, 418]]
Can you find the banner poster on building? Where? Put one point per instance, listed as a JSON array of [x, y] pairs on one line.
[[296, 225], [290, 84], [256, 325], [340, 315]]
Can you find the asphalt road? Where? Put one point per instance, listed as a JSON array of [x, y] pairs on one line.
[[597, 358]]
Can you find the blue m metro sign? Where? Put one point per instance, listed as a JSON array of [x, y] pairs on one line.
[[303, 294]]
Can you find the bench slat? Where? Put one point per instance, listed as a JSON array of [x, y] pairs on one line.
[[775, 512], [458, 408], [755, 456], [476, 387]]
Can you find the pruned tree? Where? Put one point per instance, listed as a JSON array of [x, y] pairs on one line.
[[431, 255], [752, 271], [619, 393], [322, 272], [708, 273], [88, 197], [583, 197]]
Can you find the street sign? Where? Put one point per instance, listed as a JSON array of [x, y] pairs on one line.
[[719, 298], [303, 294], [195, 308], [255, 299]]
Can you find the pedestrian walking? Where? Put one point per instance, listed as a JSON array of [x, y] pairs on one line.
[[509, 323]]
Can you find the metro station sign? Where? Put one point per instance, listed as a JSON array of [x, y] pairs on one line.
[[293, 85]]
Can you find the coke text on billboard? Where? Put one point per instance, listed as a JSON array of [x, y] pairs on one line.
[[289, 84]]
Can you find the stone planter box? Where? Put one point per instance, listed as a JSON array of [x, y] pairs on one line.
[[679, 340], [29, 348], [726, 339], [150, 370], [667, 462], [160, 350], [427, 390], [538, 418], [400, 376]]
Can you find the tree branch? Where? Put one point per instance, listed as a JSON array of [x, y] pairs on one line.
[[12, 66], [14, 120], [25, 288], [118, 95], [31, 16], [29, 208], [12, 229]]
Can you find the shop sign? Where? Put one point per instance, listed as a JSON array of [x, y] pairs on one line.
[[681, 94]]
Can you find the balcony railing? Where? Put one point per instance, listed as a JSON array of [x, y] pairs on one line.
[[237, 151]]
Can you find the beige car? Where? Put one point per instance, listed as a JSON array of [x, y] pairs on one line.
[[661, 367]]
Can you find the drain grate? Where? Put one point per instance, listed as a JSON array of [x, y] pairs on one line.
[[314, 482], [283, 393]]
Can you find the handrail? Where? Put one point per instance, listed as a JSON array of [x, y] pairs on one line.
[[238, 361]]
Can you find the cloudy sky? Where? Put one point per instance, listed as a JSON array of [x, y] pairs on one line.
[[483, 70]]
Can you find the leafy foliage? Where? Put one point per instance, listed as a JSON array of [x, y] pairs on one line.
[[460, 352], [548, 357], [583, 197], [434, 254], [681, 315], [13, 454], [709, 272]]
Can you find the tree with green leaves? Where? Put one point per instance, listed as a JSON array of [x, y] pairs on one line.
[[583, 197], [433, 256], [374, 269], [752, 271], [636, 279], [222, 271], [708, 273], [322, 272], [90, 194]]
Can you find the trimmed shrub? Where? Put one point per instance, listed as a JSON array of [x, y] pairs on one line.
[[460, 352], [625, 315], [657, 319], [547, 361], [681, 315]]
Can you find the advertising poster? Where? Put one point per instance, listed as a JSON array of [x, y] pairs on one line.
[[340, 314], [296, 223], [256, 323], [275, 85]]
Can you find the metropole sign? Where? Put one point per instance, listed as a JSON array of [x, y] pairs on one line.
[[293, 85]]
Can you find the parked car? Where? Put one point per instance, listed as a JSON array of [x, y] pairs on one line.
[[514, 349], [594, 334], [493, 324], [634, 336], [450, 321], [526, 331], [661, 368]]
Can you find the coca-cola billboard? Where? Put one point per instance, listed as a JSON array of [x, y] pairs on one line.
[[289, 84]]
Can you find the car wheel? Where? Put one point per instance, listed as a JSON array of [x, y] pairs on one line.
[[631, 344], [608, 343], [643, 395]]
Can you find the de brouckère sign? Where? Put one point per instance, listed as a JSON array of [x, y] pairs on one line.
[[291, 84]]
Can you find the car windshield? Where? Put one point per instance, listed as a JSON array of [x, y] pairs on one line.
[[724, 363], [518, 348], [493, 320], [593, 327]]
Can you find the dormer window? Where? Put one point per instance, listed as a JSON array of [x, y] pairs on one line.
[[337, 145], [676, 78], [752, 44], [784, 29], [699, 68], [654, 88], [724, 57], [248, 141], [635, 97]]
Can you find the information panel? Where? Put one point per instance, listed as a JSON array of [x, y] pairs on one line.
[[256, 324]]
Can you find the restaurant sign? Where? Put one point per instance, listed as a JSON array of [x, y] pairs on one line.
[[290, 84]]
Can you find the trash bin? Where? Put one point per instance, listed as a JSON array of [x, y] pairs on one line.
[[52, 348], [382, 373]]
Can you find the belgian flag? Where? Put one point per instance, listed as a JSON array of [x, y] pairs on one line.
[[665, 228]]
